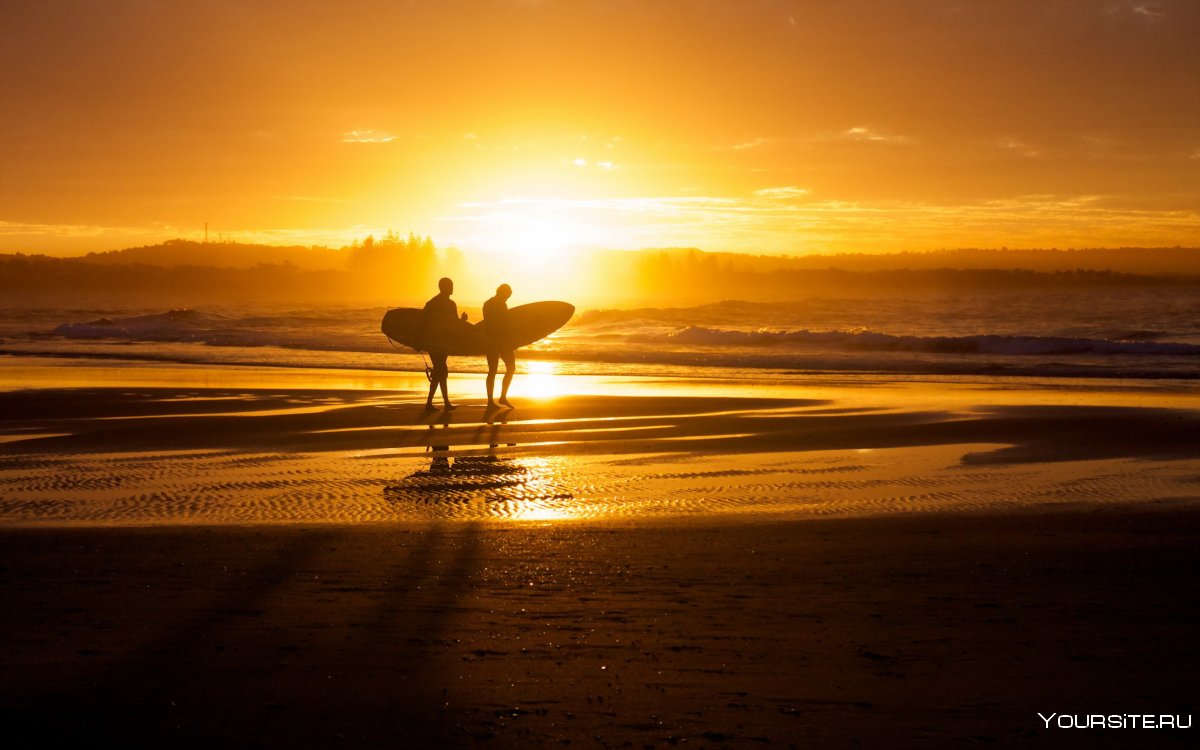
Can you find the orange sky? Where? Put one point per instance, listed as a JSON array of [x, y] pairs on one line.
[[761, 126]]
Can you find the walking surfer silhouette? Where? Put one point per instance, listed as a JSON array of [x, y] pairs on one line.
[[499, 346], [439, 306]]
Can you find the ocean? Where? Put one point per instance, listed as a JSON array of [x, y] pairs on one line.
[[1127, 333]]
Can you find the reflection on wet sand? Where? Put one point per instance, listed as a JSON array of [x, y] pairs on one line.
[[470, 484], [219, 456]]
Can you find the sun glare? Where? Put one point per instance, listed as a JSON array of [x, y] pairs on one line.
[[533, 248], [535, 238], [541, 381], [537, 513]]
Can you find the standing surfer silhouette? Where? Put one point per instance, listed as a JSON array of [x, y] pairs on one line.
[[499, 344], [438, 307]]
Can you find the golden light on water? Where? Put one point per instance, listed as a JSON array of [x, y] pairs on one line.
[[539, 513], [541, 381]]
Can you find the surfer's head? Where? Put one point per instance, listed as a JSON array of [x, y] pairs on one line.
[[446, 284], [504, 291]]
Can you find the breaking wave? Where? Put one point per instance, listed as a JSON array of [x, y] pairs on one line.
[[1136, 337], [864, 340]]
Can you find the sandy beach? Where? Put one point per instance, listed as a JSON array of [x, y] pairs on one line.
[[230, 556]]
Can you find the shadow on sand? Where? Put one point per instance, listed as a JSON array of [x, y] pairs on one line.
[[276, 629]]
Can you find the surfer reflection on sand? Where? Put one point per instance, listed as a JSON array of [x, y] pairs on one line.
[[478, 485]]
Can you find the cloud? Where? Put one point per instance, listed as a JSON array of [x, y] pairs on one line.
[[767, 221], [781, 193], [856, 133], [754, 143], [70, 231], [77, 239], [1018, 147], [1148, 11], [859, 133], [583, 163], [311, 199], [367, 136]]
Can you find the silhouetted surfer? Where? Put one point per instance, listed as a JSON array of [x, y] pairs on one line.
[[495, 321], [440, 306]]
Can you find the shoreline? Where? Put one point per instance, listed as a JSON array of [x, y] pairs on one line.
[[137, 353], [40, 371]]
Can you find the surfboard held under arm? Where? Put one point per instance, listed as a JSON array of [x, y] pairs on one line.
[[526, 324]]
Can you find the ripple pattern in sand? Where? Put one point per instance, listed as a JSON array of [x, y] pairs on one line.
[[228, 487]]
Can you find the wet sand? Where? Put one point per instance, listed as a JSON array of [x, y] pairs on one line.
[[937, 630], [312, 451], [706, 565]]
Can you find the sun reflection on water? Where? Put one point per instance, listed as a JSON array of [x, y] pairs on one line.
[[541, 381], [485, 486], [536, 513]]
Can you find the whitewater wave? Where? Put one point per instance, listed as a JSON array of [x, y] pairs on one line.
[[692, 340], [865, 340], [354, 332], [177, 324], [341, 331]]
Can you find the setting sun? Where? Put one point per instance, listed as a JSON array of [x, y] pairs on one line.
[[530, 236]]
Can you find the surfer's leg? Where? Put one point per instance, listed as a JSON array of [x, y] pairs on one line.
[[510, 369], [441, 373], [493, 361], [435, 377], [433, 384]]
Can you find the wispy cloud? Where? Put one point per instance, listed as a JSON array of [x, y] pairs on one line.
[[367, 136], [77, 239], [1015, 146], [856, 133], [78, 231], [1147, 10], [786, 220], [754, 143], [311, 199], [781, 193], [606, 165], [859, 133], [771, 220]]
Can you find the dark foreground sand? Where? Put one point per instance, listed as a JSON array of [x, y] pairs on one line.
[[646, 565], [924, 631]]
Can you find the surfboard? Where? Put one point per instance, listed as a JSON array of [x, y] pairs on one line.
[[440, 333], [531, 322], [526, 324]]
